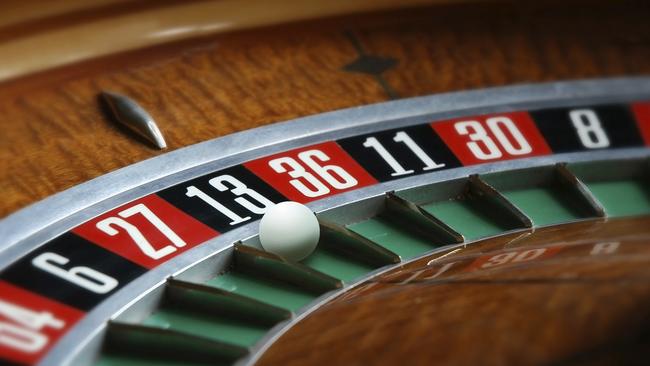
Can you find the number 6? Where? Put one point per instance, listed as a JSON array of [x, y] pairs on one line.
[[85, 277]]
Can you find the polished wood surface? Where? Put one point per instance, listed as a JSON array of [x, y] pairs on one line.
[[75, 31], [212, 78], [55, 134], [572, 294]]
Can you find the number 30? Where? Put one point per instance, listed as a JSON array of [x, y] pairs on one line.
[[497, 126]]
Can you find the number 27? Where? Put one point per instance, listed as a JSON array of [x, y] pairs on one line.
[[107, 224]]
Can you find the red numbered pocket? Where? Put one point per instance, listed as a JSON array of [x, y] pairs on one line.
[[311, 172], [497, 137], [30, 324], [642, 114], [147, 231]]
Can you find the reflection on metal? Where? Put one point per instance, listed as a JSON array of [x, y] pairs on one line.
[[260, 263], [167, 343], [348, 243], [131, 115], [500, 205], [416, 220], [584, 198], [207, 301], [29, 228]]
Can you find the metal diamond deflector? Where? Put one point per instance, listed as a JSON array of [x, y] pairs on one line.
[[132, 115]]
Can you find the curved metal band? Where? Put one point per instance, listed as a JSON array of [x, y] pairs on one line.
[[97, 195], [28, 228]]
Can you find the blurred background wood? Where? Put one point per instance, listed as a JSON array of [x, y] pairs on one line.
[[56, 136], [576, 304]]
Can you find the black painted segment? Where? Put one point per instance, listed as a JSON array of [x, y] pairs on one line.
[[422, 135], [79, 253], [204, 212], [561, 133]]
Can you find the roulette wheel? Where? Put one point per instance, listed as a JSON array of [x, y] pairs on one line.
[[478, 172]]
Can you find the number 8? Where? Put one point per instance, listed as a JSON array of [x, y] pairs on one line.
[[590, 131]]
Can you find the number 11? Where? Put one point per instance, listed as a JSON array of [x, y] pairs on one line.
[[398, 169]]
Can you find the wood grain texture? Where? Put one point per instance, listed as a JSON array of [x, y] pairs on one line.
[[55, 135], [581, 305], [113, 28]]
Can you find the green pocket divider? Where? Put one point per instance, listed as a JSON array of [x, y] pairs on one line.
[[271, 292], [210, 327], [466, 217], [138, 345], [122, 360], [391, 237], [622, 197], [336, 265], [544, 205]]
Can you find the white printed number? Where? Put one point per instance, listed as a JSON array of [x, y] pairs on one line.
[[398, 169], [307, 183], [259, 205], [82, 276], [23, 332], [488, 149], [590, 131], [107, 224]]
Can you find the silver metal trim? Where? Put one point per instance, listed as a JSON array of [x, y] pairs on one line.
[[129, 113], [35, 225], [71, 347], [97, 195]]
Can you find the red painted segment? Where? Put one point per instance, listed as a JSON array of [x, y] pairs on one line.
[[148, 231], [642, 115], [31, 324], [312, 172], [494, 137]]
